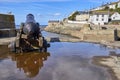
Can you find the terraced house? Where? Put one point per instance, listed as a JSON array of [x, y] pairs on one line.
[[111, 5], [99, 17]]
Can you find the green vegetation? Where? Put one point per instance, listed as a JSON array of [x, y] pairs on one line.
[[117, 10], [116, 6], [72, 17], [106, 8], [112, 10]]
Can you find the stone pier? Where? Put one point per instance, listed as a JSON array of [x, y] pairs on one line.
[[7, 25]]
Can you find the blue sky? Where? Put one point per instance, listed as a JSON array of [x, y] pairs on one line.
[[45, 10]]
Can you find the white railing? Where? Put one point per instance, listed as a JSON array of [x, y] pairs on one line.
[[78, 22]]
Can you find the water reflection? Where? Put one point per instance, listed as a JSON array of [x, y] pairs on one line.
[[69, 61], [30, 63]]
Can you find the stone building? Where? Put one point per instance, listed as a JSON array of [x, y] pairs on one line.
[[83, 16], [53, 22], [7, 25]]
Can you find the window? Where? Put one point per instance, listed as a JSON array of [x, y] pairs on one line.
[[97, 15], [113, 17], [96, 19], [102, 19], [102, 15]]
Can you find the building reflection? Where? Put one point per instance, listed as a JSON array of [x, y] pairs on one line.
[[30, 63]]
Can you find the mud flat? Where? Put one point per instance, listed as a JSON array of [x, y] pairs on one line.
[[111, 62]]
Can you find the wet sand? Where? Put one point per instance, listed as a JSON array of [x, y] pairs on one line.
[[111, 62]]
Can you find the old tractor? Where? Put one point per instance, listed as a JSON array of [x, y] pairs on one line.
[[29, 37]]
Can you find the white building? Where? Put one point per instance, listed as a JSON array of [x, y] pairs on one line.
[[115, 16], [113, 5], [98, 8], [118, 4], [99, 18]]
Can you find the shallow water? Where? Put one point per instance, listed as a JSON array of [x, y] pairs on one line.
[[63, 61]]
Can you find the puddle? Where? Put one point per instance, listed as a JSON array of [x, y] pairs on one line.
[[63, 61]]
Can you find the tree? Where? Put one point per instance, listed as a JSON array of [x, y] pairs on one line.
[[111, 10], [117, 10], [106, 8], [116, 6]]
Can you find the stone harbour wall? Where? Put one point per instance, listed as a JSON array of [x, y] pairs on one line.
[[7, 25], [84, 32], [99, 35], [7, 33], [7, 21]]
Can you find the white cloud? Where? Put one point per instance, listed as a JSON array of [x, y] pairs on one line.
[[49, 15], [57, 14], [34, 0]]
